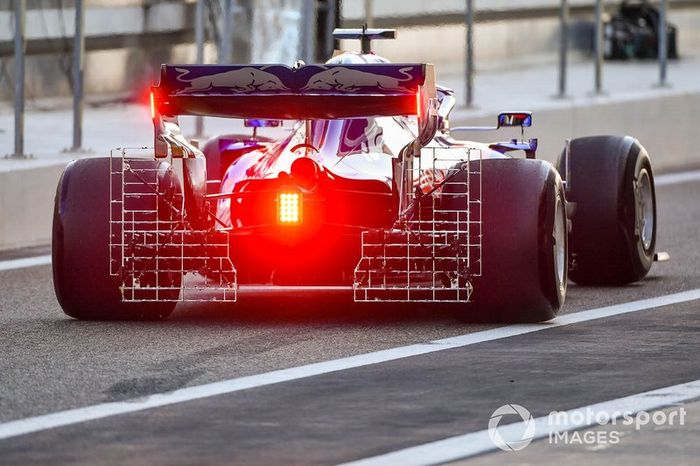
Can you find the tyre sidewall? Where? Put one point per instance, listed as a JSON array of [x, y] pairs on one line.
[[640, 260], [553, 202]]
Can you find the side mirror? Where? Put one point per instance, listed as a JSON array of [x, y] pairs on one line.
[[522, 119], [261, 123]]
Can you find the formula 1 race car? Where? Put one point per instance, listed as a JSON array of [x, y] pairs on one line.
[[633, 32], [368, 192]]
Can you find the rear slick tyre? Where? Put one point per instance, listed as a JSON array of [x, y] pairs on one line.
[[613, 235], [524, 244], [80, 246]]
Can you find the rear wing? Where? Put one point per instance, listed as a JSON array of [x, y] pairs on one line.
[[300, 93], [306, 92]]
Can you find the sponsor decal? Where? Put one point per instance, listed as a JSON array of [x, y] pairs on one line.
[[246, 79], [348, 80]]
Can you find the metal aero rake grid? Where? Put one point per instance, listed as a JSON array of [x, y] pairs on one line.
[[434, 249], [154, 249]]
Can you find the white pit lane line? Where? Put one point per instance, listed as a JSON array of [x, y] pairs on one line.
[[676, 178], [100, 411], [23, 263], [476, 443]]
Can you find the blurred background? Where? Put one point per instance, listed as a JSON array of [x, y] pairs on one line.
[[74, 74], [127, 40]]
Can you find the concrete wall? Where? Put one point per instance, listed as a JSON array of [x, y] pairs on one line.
[[493, 43], [664, 125], [109, 72], [26, 206], [115, 70], [133, 37]]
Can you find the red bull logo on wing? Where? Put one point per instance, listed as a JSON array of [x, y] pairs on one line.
[[247, 79], [348, 80]]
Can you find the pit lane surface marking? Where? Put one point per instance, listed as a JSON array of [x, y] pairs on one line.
[[659, 180], [104, 410], [25, 262], [677, 178], [476, 443]]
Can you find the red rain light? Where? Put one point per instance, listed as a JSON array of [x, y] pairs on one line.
[[289, 208]]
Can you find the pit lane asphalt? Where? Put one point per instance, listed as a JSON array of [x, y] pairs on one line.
[[50, 363]]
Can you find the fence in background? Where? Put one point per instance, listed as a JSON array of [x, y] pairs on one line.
[[318, 17]]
